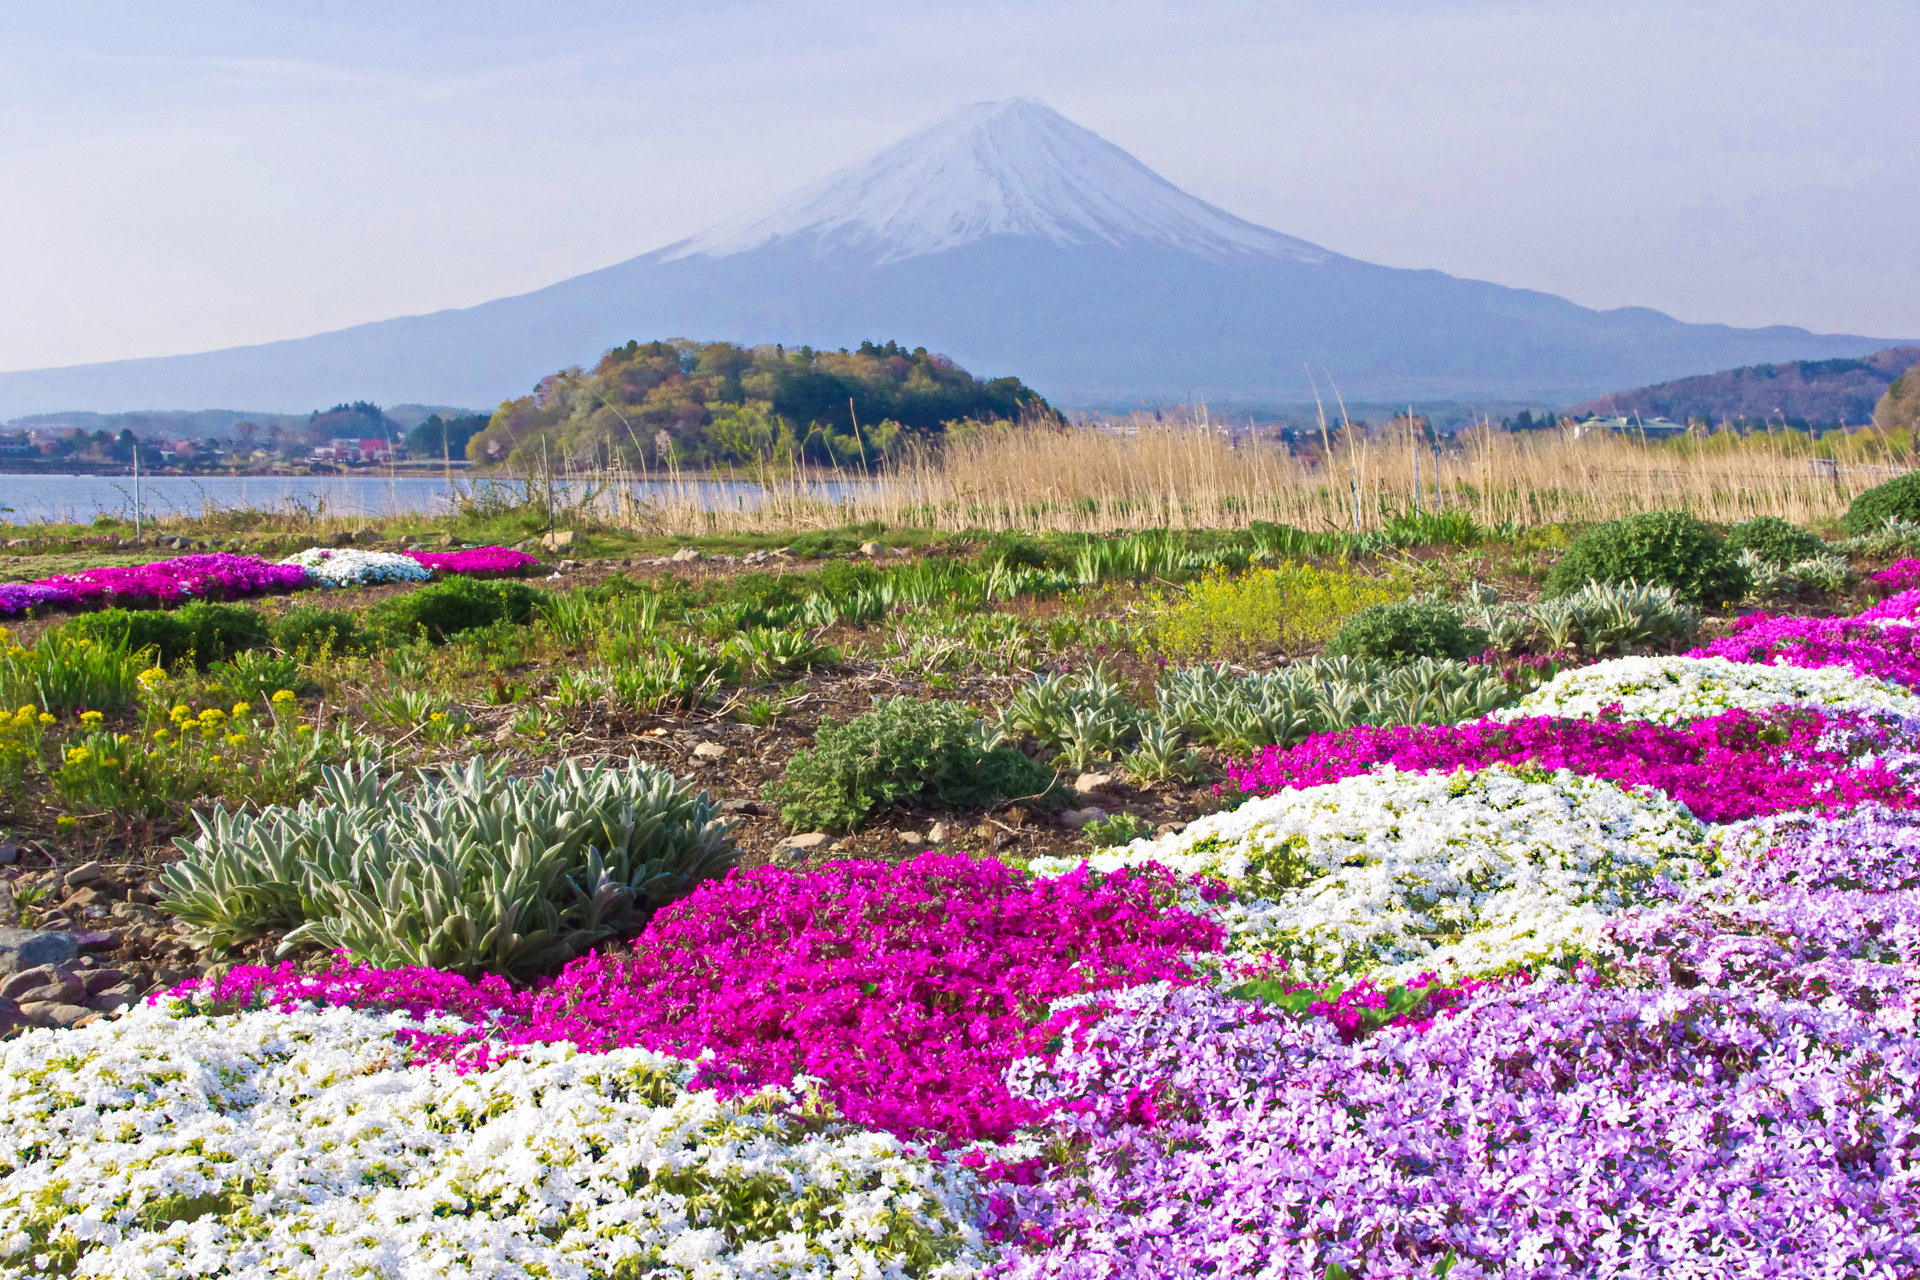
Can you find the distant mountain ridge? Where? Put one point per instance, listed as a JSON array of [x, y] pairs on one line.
[[1797, 391], [1016, 242]]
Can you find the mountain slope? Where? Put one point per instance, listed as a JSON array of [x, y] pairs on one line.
[[1800, 391], [1016, 242]]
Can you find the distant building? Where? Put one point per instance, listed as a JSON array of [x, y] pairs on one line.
[[1647, 428]]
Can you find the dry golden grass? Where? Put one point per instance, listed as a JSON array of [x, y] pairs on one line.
[[1183, 476]]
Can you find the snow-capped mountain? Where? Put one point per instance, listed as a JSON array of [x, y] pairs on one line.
[[1014, 241], [996, 169]]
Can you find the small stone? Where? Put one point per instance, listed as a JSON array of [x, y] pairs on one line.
[[557, 540], [114, 999], [754, 557], [9, 853], [870, 548], [937, 833], [49, 1013], [796, 847], [685, 555], [85, 873], [1074, 819], [1088, 783], [908, 837], [31, 948], [81, 898], [96, 940], [709, 751]]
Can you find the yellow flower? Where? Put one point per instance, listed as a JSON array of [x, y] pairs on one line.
[[182, 710], [27, 709], [283, 697], [438, 717], [161, 735], [236, 739], [78, 755], [122, 738], [66, 822], [46, 717], [151, 676], [91, 719], [242, 708], [212, 715], [305, 728]]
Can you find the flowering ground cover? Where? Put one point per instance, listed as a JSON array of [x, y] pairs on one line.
[[1618, 982], [1672, 690], [1723, 768], [223, 575], [216, 575], [476, 560], [350, 567]]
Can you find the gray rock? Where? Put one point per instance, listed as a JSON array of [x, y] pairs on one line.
[[805, 843], [52, 1014], [97, 980], [685, 555], [1088, 783], [84, 874], [28, 980], [31, 948], [870, 548], [937, 833], [1074, 819], [557, 540]]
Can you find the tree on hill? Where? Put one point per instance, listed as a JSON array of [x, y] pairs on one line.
[[445, 438], [697, 404], [1899, 409]]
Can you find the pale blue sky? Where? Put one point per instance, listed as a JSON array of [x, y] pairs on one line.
[[197, 174]]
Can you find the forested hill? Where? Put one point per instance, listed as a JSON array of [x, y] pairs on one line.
[[695, 404], [1800, 392]]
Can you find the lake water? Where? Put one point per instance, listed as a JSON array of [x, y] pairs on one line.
[[67, 499]]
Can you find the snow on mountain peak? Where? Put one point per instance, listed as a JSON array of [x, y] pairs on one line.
[[996, 168]]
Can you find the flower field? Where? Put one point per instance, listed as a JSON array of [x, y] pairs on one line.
[[1596, 956], [223, 576]]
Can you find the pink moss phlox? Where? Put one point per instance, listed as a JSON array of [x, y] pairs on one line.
[[1726, 767], [1876, 643], [908, 989], [476, 560], [217, 576], [1900, 575]]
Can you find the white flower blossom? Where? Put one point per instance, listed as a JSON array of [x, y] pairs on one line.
[[304, 1144], [347, 567], [1398, 874]]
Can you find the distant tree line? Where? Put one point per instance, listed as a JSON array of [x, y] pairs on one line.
[[694, 404]]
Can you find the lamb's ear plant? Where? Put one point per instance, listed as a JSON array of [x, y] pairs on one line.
[[471, 871]]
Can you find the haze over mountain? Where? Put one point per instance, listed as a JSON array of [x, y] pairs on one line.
[[1015, 241]]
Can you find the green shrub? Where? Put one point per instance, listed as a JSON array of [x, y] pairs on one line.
[[1285, 706], [1599, 618], [62, 672], [1774, 540], [218, 631], [134, 630], [474, 871], [458, 604], [1407, 629], [904, 751], [1897, 499], [1285, 609], [1085, 718], [1663, 548], [1011, 551], [306, 632]]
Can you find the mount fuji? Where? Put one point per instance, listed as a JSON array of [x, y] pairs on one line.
[[1016, 242]]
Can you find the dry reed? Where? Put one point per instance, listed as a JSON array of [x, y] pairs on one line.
[[1184, 476]]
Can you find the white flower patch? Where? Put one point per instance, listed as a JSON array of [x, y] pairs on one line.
[[346, 567], [1402, 873], [1672, 690], [301, 1144]]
